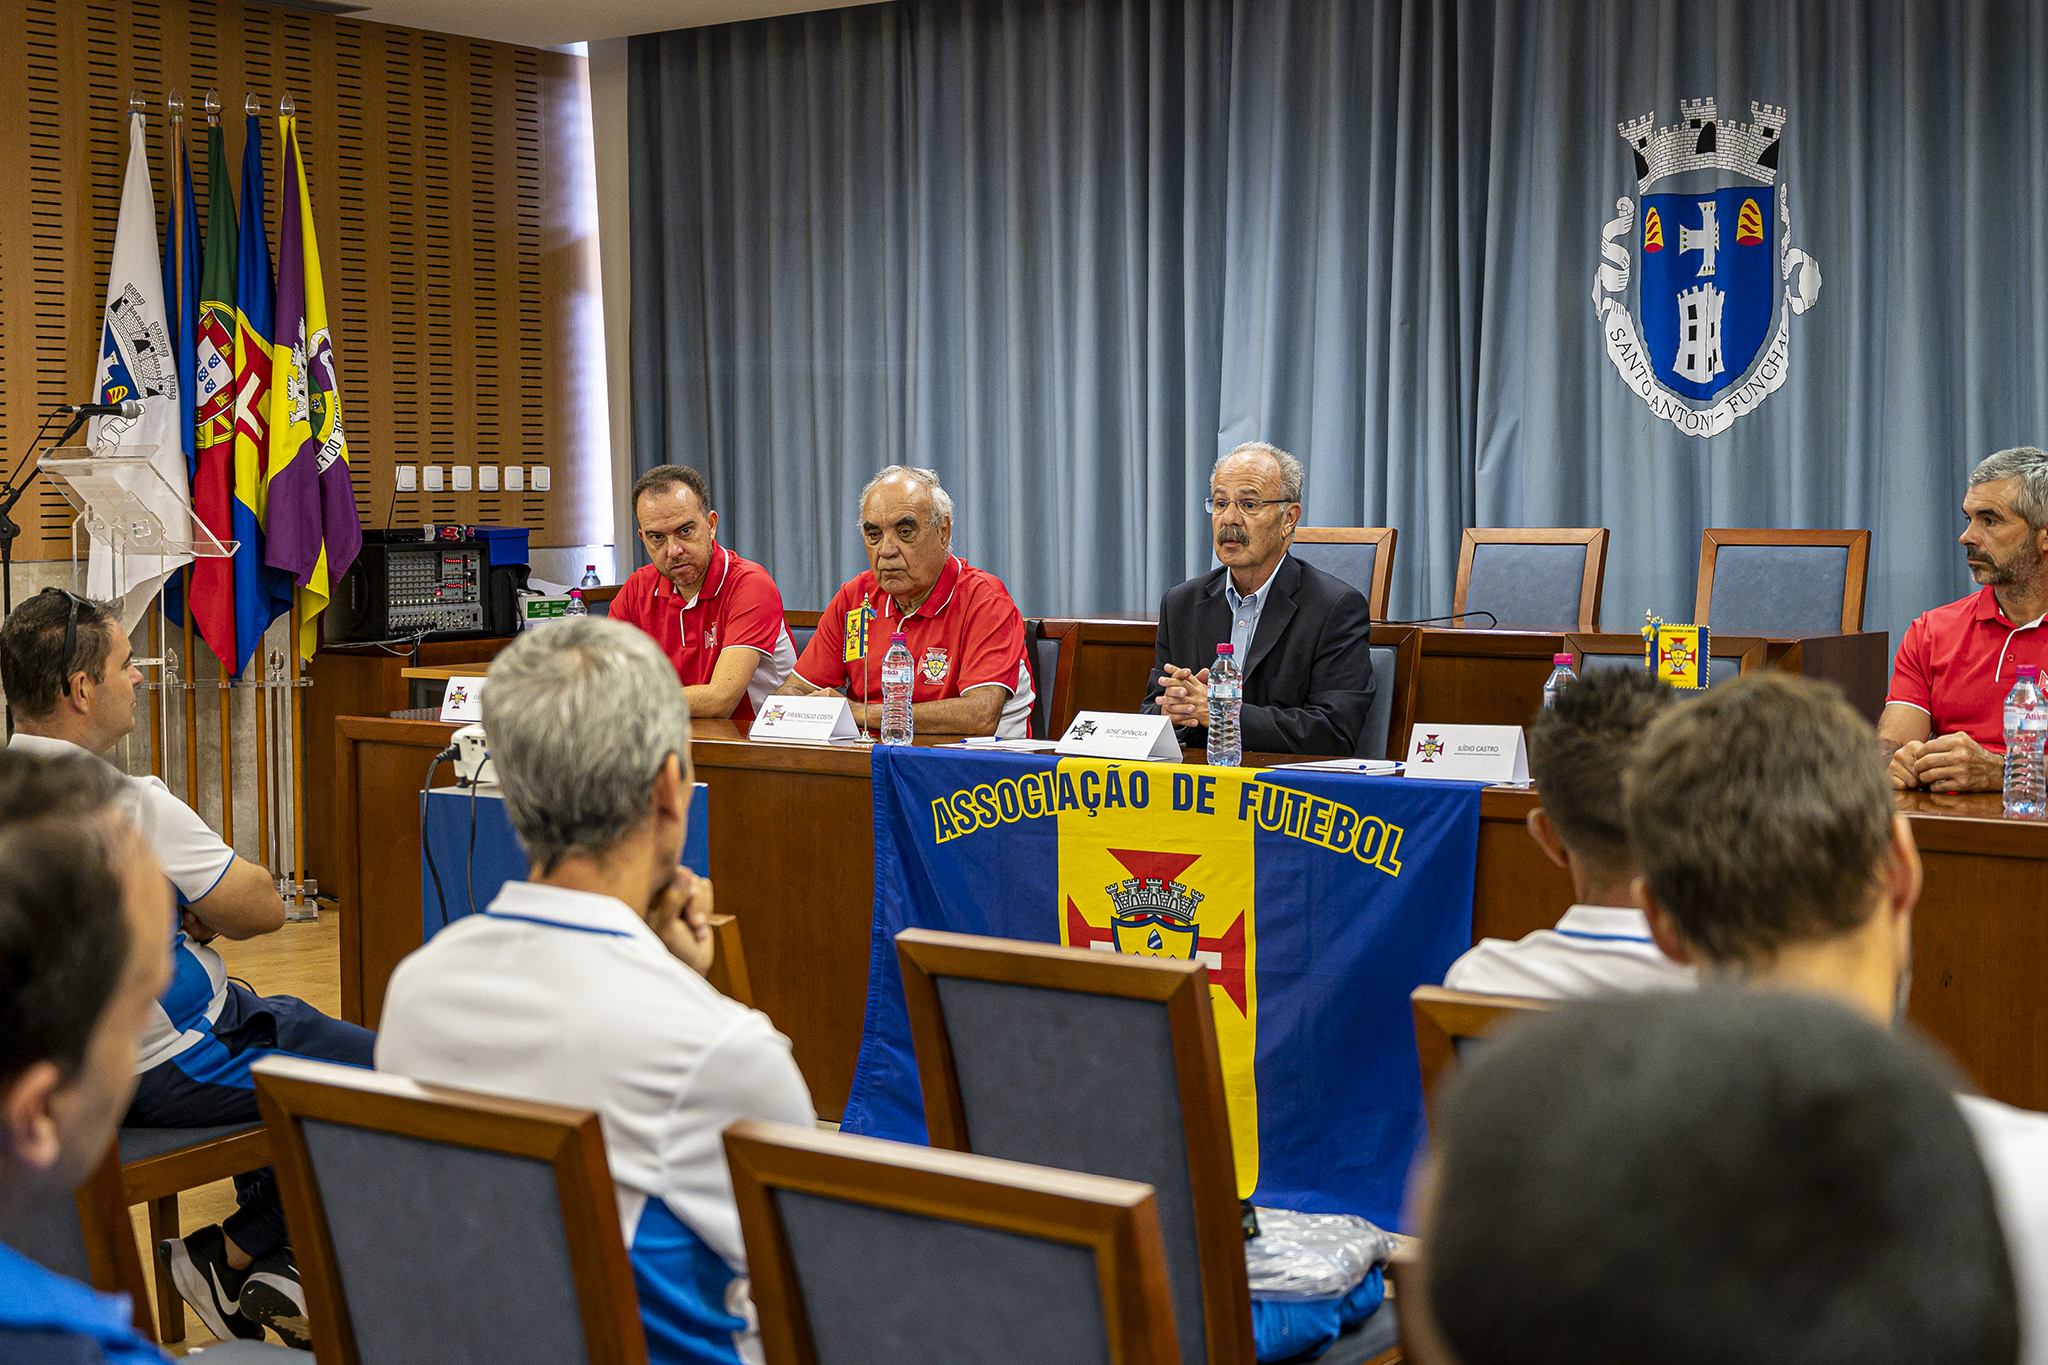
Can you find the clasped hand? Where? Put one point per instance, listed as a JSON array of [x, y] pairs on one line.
[[1185, 696], [1948, 763], [680, 916]]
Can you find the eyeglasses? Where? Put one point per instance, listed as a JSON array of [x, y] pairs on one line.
[[70, 634], [1251, 507]]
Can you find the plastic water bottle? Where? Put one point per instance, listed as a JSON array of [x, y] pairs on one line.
[[1226, 699], [590, 578], [898, 678], [2026, 730], [1560, 678], [575, 607]]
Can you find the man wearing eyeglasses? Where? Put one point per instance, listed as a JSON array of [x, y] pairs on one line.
[[1301, 636], [70, 679]]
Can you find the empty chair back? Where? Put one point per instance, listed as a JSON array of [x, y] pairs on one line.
[[802, 625], [862, 1250], [1539, 576], [1775, 583], [434, 1224], [1043, 652], [1447, 1022], [1362, 556], [1096, 1062]]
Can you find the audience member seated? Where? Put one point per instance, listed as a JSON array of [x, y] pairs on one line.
[[1705, 1178], [83, 957], [1944, 718], [1577, 749], [1302, 638], [1773, 856], [66, 666], [717, 616], [965, 635], [584, 986]]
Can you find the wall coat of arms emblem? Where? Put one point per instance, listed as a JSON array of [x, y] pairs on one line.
[[1708, 338]]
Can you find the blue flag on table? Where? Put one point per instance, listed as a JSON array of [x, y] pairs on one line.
[[1318, 901]]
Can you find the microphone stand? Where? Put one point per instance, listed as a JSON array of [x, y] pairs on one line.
[[10, 494]]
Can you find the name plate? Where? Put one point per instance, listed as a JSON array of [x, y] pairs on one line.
[[1109, 734], [1478, 753], [804, 720], [464, 700]]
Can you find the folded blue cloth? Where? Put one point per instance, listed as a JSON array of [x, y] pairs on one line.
[[1302, 1329]]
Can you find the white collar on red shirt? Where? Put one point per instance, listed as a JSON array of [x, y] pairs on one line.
[[715, 575], [1989, 610], [941, 595]]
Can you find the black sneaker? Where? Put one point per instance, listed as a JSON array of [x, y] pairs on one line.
[[271, 1297], [198, 1267]]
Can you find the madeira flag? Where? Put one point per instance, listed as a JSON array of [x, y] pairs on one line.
[[309, 507], [262, 594], [1316, 902]]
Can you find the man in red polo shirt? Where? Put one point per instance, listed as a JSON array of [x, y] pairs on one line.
[[1944, 719], [718, 617], [965, 634]]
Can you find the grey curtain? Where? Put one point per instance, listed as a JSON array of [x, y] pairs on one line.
[[1068, 252]]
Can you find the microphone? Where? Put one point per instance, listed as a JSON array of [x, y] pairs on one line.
[[130, 408]]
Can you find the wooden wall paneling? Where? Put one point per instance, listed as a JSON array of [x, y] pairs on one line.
[[432, 160]]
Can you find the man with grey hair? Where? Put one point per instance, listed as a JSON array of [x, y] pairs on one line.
[[1944, 719], [1302, 638], [965, 635], [584, 986]]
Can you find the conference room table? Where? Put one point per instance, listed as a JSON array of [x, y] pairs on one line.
[[792, 858]]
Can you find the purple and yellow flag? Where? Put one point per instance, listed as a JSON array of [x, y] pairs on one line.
[[213, 476], [262, 594], [309, 507], [1316, 901]]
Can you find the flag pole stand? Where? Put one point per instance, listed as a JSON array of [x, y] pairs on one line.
[[191, 705], [302, 908], [156, 704], [227, 755], [262, 691]]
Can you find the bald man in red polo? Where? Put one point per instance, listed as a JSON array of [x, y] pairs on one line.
[[965, 635], [1944, 718]]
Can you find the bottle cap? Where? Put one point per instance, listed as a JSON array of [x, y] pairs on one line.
[[2030, 671], [898, 638], [590, 568], [1561, 660], [576, 593], [1226, 648]]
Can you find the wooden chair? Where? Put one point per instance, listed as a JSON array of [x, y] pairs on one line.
[[729, 968], [1362, 556], [1745, 653], [1447, 1020], [1776, 583], [599, 600], [1157, 1115], [866, 1250], [371, 1168], [1396, 664], [802, 625], [1101, 665], [159, 1164], [1533, 576], [87, 1237]]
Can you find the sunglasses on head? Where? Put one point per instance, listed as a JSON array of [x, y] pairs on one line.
[[70, 633]]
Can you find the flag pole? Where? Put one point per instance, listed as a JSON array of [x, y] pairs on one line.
[[156, 704], [298, 772], [262, 758], [191, 707], [227, 756]]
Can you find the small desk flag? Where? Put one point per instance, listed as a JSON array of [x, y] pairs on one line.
[[858, 622], [1676, 654]]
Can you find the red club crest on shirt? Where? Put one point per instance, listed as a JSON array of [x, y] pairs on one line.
[[934, 665]]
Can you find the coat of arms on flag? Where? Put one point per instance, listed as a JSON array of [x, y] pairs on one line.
[[1709, 326], [858, 623]]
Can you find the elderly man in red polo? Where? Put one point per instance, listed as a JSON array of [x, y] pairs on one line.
[[965, 635], [1944, 718]]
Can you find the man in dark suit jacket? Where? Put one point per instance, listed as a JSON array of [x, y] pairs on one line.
[[1302, 637]]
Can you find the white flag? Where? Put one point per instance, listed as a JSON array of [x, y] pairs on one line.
[[138, 360]]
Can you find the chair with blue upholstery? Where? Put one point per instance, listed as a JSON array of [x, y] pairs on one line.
[[802, 625], [598, 601], [1042, 652], [861, 1250], [159, 1164], [1543, 576], [1362, 556], [1779, 583], [512, 1200], [1122, 1078], [1396, 662]]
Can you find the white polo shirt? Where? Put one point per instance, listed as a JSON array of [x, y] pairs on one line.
[[569, 997], [195, 859], [2014, 1145], [1594, 950]]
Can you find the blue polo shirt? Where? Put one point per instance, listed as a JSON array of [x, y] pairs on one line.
[[50, 1319]]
